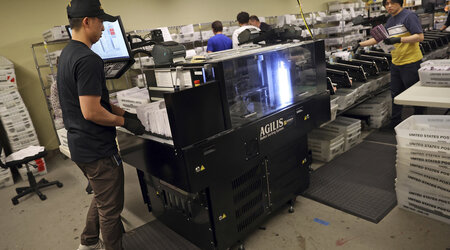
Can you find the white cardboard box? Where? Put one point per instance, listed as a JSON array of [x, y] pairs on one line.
[[39, 168], [55, 33]]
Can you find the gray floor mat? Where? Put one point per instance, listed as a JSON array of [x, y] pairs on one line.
[[383, 135], [155, 236], [359, 182]]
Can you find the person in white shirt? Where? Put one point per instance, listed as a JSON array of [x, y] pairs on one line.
[[243, 19]]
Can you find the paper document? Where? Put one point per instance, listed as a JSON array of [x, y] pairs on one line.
[[23, 153], [166, 34], [187, 29]]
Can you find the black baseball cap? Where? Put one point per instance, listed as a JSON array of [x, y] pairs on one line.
[[88, 8]]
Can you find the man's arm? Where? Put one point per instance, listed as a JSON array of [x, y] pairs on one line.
[[369, 42], [447, 22], [412, 38], [93, 111], [117, 110]]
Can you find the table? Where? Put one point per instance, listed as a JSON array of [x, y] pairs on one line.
[[418, 95]]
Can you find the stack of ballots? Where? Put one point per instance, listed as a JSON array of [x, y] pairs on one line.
[[423, 166], [379, 33], [131, 99], [154, 118]]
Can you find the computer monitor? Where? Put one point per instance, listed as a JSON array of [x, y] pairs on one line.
[[113, 48]]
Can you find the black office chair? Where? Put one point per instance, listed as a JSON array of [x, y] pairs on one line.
[[34, 186]]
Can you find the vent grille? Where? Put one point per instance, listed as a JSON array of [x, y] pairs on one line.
[[241, 180], [248, 197], [253, 187], [248, 206], [173, 200], [243, 224]]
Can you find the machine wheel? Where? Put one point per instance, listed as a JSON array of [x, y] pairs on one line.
[[15, 201], [291, 205], [59, 184], [291, 209], [241, 247], [43, 197]]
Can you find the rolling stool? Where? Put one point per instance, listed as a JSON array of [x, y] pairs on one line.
[[34, 186]]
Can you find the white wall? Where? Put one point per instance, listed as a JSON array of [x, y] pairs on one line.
[[23, 21]]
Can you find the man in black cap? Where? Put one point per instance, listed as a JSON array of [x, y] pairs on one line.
[[90, 120]]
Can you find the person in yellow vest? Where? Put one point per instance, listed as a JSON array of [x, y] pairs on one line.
[[405, 33]]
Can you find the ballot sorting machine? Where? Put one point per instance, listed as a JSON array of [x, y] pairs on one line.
[[238, 150]]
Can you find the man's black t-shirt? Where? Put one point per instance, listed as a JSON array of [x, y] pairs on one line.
[[80, 72]]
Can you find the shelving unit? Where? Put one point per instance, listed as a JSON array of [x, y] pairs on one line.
[[45, 86]]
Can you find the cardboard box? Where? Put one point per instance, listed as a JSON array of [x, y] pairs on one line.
[[6, 178], [38, 167], [55, 33]]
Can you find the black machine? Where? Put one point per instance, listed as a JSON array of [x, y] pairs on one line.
[[355, 71], [239, 148], [166, 53], [340, 78], [113, 48], [369, 67], [382, 62]]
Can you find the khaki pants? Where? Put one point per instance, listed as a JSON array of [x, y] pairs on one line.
[[107, 181]]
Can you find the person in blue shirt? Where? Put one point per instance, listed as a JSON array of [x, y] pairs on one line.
[[219, 41]]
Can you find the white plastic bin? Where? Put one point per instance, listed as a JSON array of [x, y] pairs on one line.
[[422, 180], [430, 128], [425, 203]]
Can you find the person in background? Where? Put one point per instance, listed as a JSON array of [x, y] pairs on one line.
[[254, 20], [243, 19], [219, 41], [405, 33], [447, 22], [91, 120]]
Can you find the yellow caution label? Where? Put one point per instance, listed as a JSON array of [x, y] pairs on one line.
[[223, 216], [200, 168]]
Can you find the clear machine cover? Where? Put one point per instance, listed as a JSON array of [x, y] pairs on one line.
[[268, 80]]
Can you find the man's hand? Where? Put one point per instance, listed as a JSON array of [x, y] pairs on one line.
[[133, 125], [392, 40], [130, 115]]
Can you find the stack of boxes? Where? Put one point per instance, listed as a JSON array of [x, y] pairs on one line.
[[423, 166], [55, 33], [349, 127], [334, 138], [378, 109], [53, 57], [6, 178], [435, 73], [15, 118], [325, 146]]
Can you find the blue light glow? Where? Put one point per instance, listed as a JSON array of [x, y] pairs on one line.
[[284, 84]]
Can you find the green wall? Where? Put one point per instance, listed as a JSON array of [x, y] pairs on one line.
[[22, 23]]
